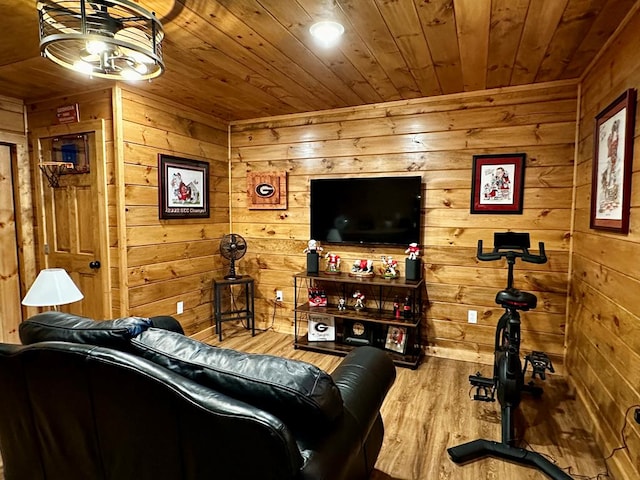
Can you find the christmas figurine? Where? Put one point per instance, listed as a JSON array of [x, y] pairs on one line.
[[313, 257], [389, 267], [313, 247], [363, 268], [359, 300], [342, 304], [413, 251], [333, 263]]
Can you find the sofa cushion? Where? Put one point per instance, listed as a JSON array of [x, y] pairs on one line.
[[300, 394], [65, 327]]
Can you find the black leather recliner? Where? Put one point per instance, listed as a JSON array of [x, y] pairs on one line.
[[135, 399]]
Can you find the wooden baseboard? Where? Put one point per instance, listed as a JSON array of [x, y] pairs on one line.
[[202, 335]]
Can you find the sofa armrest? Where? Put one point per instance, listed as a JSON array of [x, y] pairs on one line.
[[166, 322], [364, 377], [350, 450]]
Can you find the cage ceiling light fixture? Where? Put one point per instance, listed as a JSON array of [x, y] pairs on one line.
[[114, 39], [327, 32]]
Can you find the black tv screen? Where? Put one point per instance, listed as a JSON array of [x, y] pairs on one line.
[[372, 211]]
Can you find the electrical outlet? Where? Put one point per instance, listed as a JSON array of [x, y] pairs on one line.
[[179, 307], [472, 316], [279, 296]]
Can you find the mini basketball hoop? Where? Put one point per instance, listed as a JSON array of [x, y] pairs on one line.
[[53, 170]]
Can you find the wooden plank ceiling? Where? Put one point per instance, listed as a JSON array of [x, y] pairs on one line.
[[240, 59]]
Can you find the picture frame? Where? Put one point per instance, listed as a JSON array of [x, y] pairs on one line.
[[612, 164], [183, 188], [396, 340], [498, 183]]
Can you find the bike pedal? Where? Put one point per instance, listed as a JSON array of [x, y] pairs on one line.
[[483, 395], [540, 363], [482, 398], [479, 381], [485, 387]]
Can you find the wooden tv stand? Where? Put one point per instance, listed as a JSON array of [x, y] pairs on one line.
[[375, 325]]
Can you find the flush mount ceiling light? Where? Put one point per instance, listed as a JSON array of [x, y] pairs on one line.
[[114, 39], [327, 32]]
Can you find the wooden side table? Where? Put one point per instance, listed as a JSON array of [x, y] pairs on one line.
[[244, 286]]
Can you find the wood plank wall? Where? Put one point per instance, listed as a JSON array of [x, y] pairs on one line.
[[11, 116], [167, 261], [161, 262], [603, 352], [12, 133], [41, 114], [435, 138]]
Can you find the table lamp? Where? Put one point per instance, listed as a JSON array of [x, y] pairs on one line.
[[53, 287]]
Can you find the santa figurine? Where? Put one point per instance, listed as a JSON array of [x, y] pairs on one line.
[[389, 267], [413, 251], [333, 265], [313, 247], [342, 304], [359, 300]]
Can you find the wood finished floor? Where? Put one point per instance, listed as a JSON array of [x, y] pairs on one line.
[[430, 409]]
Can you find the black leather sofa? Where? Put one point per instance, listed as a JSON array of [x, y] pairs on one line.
[[135, 399]]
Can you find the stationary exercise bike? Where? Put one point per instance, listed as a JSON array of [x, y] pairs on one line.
[[508, 381]]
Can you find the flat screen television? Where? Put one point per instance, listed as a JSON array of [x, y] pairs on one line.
[[366, 211]]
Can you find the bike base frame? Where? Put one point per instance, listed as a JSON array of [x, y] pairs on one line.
[[476, 449]]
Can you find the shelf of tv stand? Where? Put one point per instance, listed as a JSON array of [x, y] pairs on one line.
[[378, 280], [337, 348], [367, 315], [381, 290]]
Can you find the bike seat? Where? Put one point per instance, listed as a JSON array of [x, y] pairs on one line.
[[514, 298]]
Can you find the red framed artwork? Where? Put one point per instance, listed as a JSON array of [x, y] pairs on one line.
[[396, 340], [497, 183], [612, 165], [183, 188]]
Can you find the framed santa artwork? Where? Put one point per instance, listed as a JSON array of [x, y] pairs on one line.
[[612, 165], [497, 183]]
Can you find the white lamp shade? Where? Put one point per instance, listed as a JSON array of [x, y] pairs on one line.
[[52, 287]]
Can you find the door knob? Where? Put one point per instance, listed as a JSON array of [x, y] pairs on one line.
[[95, 265]]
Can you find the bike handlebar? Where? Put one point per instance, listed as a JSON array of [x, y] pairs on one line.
[[522, 253]]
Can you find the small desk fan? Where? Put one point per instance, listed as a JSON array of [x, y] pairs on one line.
[[232, 247]]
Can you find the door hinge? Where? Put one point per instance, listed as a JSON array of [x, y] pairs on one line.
[[46, 249]]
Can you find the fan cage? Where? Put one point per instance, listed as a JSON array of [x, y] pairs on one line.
[[232, 254], [129, 38]]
